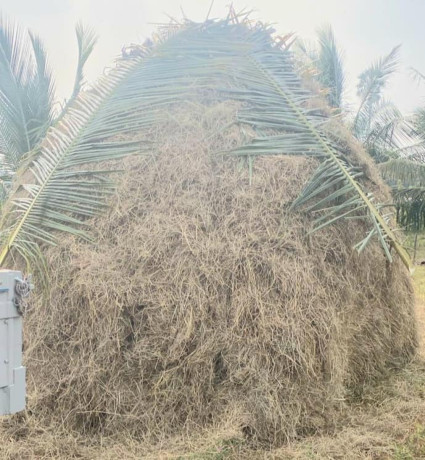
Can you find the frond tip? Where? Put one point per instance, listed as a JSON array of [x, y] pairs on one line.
[[369, 89], [86, 40]]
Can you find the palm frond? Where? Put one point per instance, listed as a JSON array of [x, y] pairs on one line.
[[234, 59], [330, 66], [61, 192], [86, 39], [42, 89], [369, 89], [384, 125], [391, 134], [404, 172], [418, 76], [280, 102], [26, 93]]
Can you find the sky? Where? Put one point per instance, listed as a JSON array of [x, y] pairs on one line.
[[365, 30]]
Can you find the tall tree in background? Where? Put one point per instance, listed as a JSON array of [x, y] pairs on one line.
[[394, 141], [406, 174], [27, 93], [330, 67]]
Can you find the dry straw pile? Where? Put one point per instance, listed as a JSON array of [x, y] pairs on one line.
[[203, 303]]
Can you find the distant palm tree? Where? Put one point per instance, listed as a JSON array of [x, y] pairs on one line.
[[406, 173], [27, 93], [394, 141], [330, 65]]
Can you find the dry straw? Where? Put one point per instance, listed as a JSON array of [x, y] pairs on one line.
[[204, 304]]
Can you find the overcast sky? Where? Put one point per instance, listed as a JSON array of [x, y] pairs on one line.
[[365, 29]]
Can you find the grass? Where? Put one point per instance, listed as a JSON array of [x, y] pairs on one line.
[[413, 447], [225, 449], [419, 281]]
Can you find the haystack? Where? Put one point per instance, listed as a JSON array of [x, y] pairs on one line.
[[203, 301]]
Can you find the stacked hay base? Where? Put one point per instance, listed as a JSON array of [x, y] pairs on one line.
[[203, 303]]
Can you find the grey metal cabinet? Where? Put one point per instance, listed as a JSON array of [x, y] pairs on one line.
[[12, 373]]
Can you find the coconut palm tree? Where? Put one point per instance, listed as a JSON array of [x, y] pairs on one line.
[[330, 66], [27, 93], [391, 139], [406, 175]]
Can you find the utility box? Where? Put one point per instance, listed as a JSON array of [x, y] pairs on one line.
[[12, 374]]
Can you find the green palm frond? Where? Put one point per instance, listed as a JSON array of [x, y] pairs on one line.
[[385, 133], [26, 94], [61, 191], [330, 66], [403, 172], [369, 89], [232, 59], [42, 87], [86, 39], [324, 61], [280, 102], [60, 194]]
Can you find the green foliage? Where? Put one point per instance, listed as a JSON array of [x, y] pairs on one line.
[[377, 123], [280, 101], [371, 83], [26, 94], [62, 191], [419, 121], [402, 171], [86, 39], [407, 179], [384, 131], [388, 136], [330, 66], [26, 115], [413, 447]]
